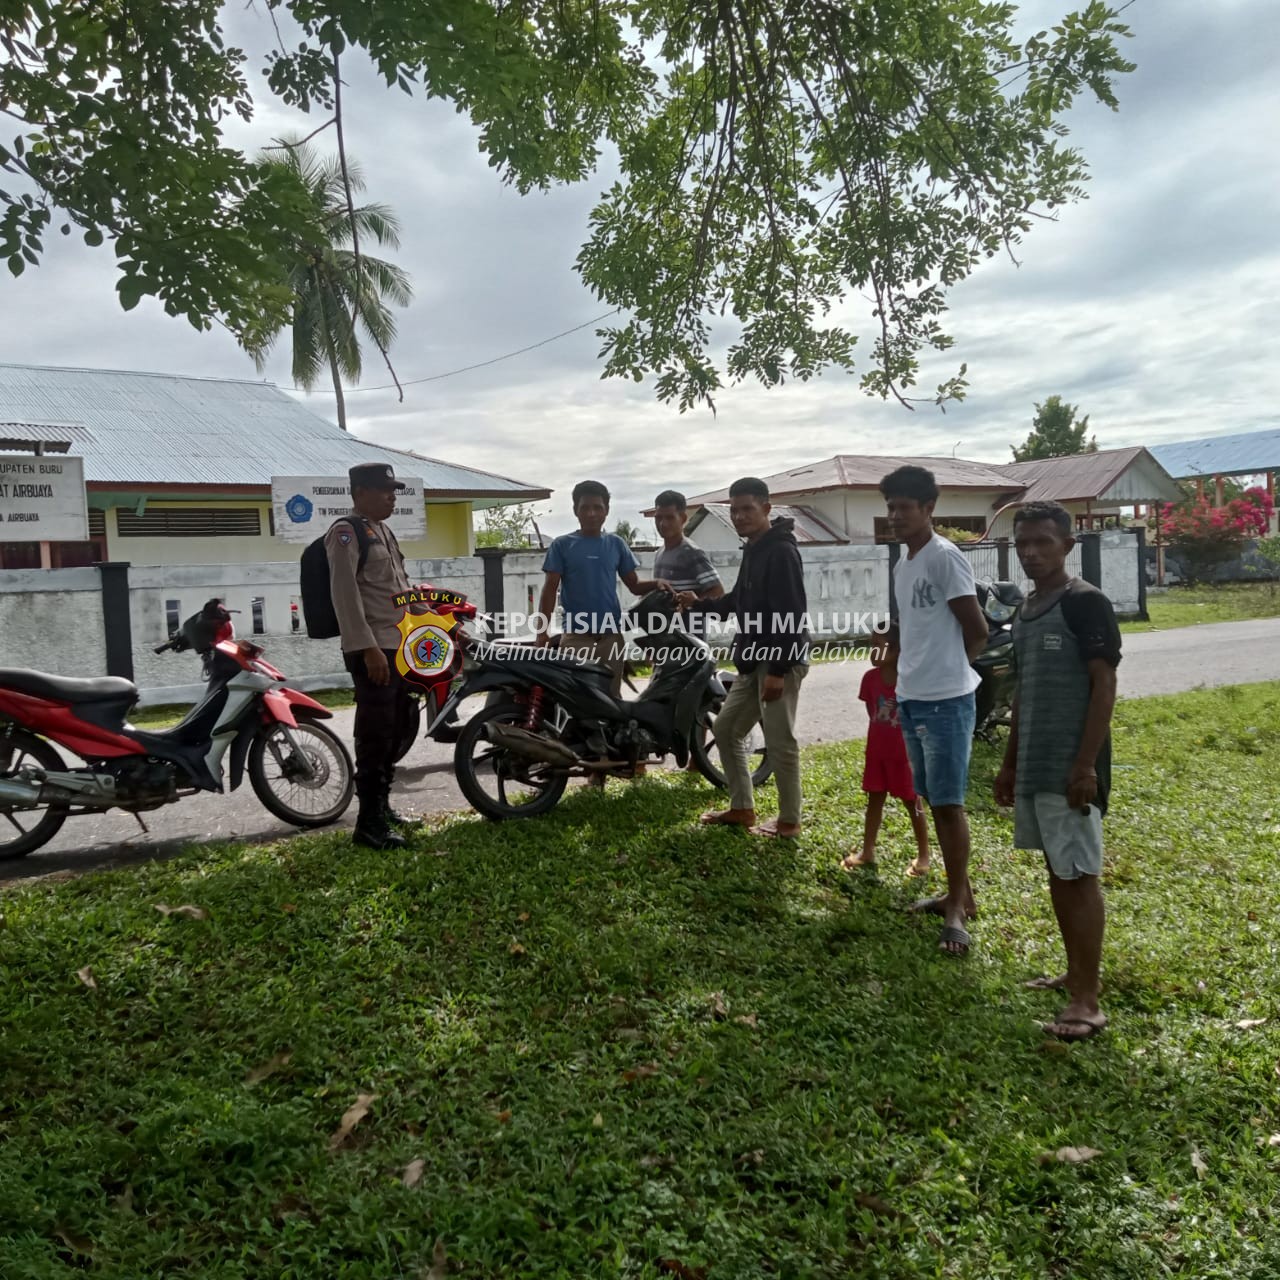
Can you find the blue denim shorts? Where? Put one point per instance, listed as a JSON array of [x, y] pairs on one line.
[[939, 738]]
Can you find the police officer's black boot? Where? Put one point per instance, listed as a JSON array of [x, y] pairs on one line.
[[393, 819], [373, 831]]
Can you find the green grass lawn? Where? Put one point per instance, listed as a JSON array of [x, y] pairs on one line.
[[608, 1043], [1230, 602]]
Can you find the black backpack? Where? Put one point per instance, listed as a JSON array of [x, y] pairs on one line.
[[317, 599]]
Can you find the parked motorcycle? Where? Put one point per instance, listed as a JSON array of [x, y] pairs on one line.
[[298, 768], [555, 718], [995, 664], [432, 696]]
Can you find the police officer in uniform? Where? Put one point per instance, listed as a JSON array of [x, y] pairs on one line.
[[362, 599]]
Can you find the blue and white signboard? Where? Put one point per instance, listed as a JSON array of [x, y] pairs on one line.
[[305, 506]]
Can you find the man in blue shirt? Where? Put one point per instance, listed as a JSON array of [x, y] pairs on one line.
[[584, 568]]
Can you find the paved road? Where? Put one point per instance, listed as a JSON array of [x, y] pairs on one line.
[[1155, 662]]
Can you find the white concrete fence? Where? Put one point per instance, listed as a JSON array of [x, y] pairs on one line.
[[63, 621]]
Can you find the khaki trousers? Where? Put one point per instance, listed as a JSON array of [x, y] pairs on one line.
[[741, 712]]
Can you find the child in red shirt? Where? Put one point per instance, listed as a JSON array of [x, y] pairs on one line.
[[886, 770]]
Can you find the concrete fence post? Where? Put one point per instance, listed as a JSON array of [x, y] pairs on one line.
[[117, 624], [492, 559], [1091, 558], [1002, 559], [1140, 537]]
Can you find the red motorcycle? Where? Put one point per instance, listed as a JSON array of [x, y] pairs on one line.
[[298, 768]]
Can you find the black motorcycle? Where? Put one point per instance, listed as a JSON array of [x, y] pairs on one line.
[[995, 664], [447, 726], [554, 717]]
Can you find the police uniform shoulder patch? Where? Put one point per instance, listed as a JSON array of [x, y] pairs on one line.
[[345, 538]]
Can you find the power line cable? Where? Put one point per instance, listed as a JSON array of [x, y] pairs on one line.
[[483, 364]]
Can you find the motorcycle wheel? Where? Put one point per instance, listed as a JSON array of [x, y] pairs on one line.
[[706, 755], [312, 792], [476, 761], [18, 747]]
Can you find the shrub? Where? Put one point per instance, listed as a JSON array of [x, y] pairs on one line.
[[1205, 536], [956, 535]]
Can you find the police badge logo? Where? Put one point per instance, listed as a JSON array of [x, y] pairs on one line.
[[426, 653]]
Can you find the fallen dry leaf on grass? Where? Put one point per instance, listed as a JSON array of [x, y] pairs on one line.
[[503, 1117], [268, 1068], [877, 1205], [1274, 1140], [191, 913], [523, 917], [597, 1121], [517, 948], [747, 1019], [352, 1117], [674, 1267], [1247, 1024], [86, 976], [1198, 1163], [1071, 1155], [81, 1245], [412, 1174], [719, 1010], [439, 1267], [640, 1073]]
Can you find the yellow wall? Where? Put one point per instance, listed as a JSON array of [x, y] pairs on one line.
[[448, 534]]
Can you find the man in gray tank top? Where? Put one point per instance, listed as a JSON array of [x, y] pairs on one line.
[[1057, 766]]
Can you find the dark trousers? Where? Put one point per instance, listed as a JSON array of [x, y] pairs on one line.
[[382, 720]]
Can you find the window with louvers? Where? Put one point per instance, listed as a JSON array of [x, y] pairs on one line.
[[190, 522], [97, 523]]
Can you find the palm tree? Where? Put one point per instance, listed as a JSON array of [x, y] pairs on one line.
[[336, 296]]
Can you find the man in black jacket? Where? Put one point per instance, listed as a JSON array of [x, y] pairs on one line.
[[771, 653]]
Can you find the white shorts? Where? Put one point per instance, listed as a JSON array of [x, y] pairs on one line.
[[1071, 840]]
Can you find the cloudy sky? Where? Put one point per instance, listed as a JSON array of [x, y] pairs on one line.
[[1151, 305]]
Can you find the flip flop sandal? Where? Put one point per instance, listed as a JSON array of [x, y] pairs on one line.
[[953, 933], [1045, 984], [772, 833], [1091, 1029]]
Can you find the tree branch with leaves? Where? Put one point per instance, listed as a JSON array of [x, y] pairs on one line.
[[792, 172]]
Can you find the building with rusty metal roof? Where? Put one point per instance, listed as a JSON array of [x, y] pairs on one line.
[[711, 528], [843, 494]]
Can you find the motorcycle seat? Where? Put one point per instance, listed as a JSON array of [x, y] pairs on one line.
[[66, 688], [531, 653]]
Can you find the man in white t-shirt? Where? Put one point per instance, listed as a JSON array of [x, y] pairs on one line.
[[943, 629]]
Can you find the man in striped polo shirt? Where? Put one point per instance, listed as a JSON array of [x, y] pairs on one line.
[[679, 562]]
